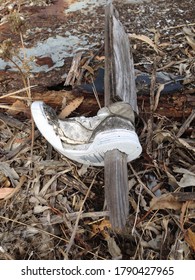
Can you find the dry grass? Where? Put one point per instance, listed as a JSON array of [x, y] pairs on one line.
[[53, 208]]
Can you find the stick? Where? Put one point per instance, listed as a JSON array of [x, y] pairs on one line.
[[119, 85]]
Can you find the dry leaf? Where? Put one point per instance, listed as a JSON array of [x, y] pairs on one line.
[[100, 58], [154, 243], [40, 209], [133, 203], [182, 214], [183, 171], [189, 37], [5, 192], [186, 145], [172, 181], [157, 37], [157, 96], [179, 250], [172, 201], [17, 188], [4, 181], [147, 40], [191, 42], [97, 228], [17, 107], [162, 136], [165, 201], [113, 248], [88, 68], [190, 238], [187, 180], [83, 170], [9, 172], [71, 107], [188, 31]]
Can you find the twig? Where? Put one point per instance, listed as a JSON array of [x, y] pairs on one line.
[[140, 181], [27, 81], [94, 215], [137, 210], [73, 72], [78, 218], [17, 188], [15, 92], [178, 26], [151, 118], [186, 124], [26, 142], [87, 63], [157, 96], [95, 93]]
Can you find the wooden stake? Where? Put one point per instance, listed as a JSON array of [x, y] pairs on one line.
[[116, 187], [119, 85]]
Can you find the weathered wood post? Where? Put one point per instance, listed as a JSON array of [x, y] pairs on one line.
[[119, 85]]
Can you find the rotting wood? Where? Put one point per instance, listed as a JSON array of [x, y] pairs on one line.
[[174, 105], [119, 85]]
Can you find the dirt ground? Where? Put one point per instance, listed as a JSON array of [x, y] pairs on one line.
[[46, 210]]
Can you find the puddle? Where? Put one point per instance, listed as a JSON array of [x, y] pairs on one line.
[[56, 49]]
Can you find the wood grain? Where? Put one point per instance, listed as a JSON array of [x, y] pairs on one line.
[[116, 187], [119, 85]]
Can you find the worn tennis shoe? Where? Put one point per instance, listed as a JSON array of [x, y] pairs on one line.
[[87, 139]]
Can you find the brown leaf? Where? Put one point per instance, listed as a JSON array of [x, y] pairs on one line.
[[190, 238], [100, 58], [188, 31], [5, 191], [100, 228], [88, 68], [189, 37], [4, 181], [186, 145], [172, 181], [157, 96], [165, 201], [17, 107], [172, 201], [71, 107], [191, 42], [147, 40], [113, 248], [157, 37], [162, 136]]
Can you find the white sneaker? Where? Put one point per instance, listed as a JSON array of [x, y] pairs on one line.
[[86, 140]]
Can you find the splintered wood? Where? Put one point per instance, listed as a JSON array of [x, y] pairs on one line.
[[119, 67], [119, 85]]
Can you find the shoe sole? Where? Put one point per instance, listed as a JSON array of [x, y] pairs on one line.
[[125, 141]]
